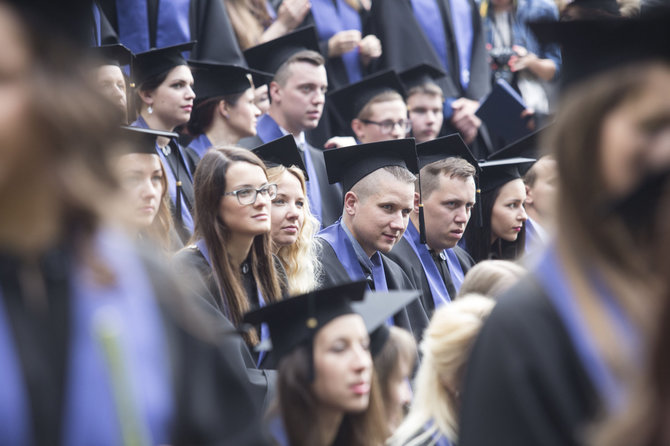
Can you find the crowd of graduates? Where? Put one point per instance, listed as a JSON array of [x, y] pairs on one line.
[[334, 222]]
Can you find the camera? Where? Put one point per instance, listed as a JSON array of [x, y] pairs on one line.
[[499, 61]]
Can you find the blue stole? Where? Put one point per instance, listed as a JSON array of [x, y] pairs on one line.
[[200, 145], [428, 15], [97, 36], [278, 431], [437, 287], [333, 16], [268, 130], [172, 23], [553, 280], [339, 241], [187, 219], [437, 439], [455, 269], [265, 331], [92, 412], [461, 18]]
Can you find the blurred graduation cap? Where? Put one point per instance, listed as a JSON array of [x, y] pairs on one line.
[[600, 9], [421, 74], [526, 147], [159, 60], [349, 165], [212, 79], [115, 54], [142, 140], [269, 56], [281, 151], [350, 100], [591, 47]]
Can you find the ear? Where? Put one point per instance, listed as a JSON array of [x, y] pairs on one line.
[[359, 128], [146, 97], [350, 203], [275, 92], [416, 202], [529, 195], [223, 108]]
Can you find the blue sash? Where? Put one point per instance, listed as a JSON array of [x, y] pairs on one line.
[[438, 289], [551, 276], [278, 431], [265, 331], [461, 20], [428, 15], [437, 438], [172, 24], [200, 145], [97, 37], [187, 219], [332, 17], [455, 269]]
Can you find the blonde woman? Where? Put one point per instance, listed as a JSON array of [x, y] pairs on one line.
[[491, 278], [433, 418]]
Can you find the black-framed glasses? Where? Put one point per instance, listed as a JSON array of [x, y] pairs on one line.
[[248, 195], [388, 125]]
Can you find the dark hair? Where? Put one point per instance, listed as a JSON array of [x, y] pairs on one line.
[[202, 115], [209, 184], [298, 407], [148, 85]]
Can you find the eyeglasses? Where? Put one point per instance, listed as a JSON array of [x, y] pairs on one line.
[[388, 125], [248, 195]]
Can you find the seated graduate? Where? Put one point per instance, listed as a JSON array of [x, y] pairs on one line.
[[107, 74], [433, 415], [224, 110], [297, 94], [425, 101], [232, 251], [445, 194], [491, 278], [328, 393], [144, 187], [374, 107], [97, 344], [164, 99], [293, 225], [378, 179]]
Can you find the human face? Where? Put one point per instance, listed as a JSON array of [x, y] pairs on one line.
[[508, 214], [342, 365], [541, 197], [394, 110], [142, 184], [112, 85], [447, 211], [635, 137], [299, 103], [426, 115], [262, 98], [400, 393], [243, 116], [379, 220], [172, 101], [288, 212], [247, 220]]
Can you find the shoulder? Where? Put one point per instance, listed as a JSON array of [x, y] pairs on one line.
[[250, 142], [464, 258], [396, 277]]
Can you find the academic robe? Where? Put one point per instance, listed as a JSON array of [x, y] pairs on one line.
[[525, 384], [330, 194], [192, 391]]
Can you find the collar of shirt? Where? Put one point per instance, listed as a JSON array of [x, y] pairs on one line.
[[299, 140], [362, 258]]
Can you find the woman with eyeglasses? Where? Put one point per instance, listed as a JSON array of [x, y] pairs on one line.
[[231, 249]]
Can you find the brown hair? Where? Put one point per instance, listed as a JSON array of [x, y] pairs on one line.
[[203, 112], [428, 88], [385, 96], [307, 56], [209, 185], [249, 19], [450, 167], [159, 230]]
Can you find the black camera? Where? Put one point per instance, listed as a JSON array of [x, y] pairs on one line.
[[499, 61]]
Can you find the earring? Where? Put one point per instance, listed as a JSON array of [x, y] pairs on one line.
[[150, 109]]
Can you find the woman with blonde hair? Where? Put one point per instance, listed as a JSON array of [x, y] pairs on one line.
[[491, 278], [433, 417]]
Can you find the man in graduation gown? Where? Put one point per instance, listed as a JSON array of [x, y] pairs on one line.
[[379, 190], [447, 193], [297, 95]]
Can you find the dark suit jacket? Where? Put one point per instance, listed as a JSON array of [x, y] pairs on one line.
[[412, 318]]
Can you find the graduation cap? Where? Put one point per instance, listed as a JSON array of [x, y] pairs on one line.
[[269, 56], [591, 47], [281, 151], [526, 147], [350, 100], [349, 165], [497, 173], [597, 8], [159, 60], [421, 74], [214, 79], [141, 140], [115, 54]]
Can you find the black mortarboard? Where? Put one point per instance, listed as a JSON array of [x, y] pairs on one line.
[[590, 47], [115, 54], [142, 140], [597, 8], [159, 60], [444, 147], [212, 79], [269, 56], [295, 321], [499, 172], [282, 151], [420, 75], [350, 100], [526, 147], [349, 165]]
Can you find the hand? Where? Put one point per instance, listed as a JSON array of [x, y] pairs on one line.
[[339, 141], [522, 60], [292, 12], [343, 42], [464, 118], [370, 47], [529, 115]]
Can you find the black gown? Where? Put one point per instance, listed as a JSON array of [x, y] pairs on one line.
[[525, 384]]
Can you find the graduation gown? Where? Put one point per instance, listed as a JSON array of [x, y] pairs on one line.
[[525, 383], [191, 393], [330, 195]]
